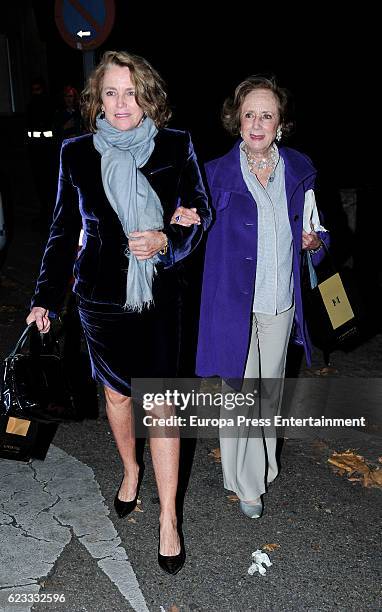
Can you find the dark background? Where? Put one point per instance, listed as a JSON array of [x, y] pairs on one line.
[[320, 58], [328, 62]]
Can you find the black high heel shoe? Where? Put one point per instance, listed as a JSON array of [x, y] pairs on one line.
[[123, 508], [172, 564]]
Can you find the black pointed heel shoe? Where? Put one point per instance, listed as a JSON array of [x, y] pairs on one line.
[[123, 508], [172, 564]]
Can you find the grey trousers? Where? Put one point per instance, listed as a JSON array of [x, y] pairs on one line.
[[249, 461]]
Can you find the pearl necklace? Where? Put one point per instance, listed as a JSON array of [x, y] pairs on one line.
[[260, 164]]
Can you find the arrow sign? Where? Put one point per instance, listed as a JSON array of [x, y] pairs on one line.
[[84, 24]]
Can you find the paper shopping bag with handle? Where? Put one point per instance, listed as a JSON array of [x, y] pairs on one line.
[[330, 318]]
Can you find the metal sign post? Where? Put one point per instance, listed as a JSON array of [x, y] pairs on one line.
[[88, 63], [84, 25]]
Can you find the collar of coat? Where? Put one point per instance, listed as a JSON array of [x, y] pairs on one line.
[[225, 171]]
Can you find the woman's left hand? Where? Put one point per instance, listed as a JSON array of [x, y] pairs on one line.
[[146, 244], [185, 216], [310, 241]]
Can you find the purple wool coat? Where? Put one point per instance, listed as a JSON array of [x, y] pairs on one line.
[[231, 257]]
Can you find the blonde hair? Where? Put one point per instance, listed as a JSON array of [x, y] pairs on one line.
[[150, 93]]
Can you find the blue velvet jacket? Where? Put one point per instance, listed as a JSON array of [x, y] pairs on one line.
[[101, 266]]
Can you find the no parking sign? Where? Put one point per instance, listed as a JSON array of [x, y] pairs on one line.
[[84, 24]]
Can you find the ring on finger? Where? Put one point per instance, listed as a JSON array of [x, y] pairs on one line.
[[178, 218]]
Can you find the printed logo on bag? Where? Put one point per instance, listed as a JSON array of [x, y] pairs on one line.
[[336, 301], [18, 427]]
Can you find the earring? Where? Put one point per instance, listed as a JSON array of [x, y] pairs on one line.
[[102, 113], [279, 133]]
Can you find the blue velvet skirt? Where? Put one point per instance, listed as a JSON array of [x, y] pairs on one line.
[[124, 345]]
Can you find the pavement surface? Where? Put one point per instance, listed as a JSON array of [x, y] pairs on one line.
[[62, 540]]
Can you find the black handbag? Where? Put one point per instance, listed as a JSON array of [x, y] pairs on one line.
[[329, 316], [33, 384]]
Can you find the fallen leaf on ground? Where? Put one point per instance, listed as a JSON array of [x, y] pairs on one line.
[[341, 472], [270, 547], [216, 455], [174, 608], [131, 520], [137, 507], [350, 462], [318, 443], [356, 468], [373, 478], [319, 446], [232, 498], [326, 371], [315, 546]]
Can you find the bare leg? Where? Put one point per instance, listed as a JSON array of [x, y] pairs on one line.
[[165, 456], [121, 418]]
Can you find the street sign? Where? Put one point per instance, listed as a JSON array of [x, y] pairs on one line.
[[84, 24]]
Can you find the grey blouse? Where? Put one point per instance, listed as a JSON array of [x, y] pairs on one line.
[[274, 276]]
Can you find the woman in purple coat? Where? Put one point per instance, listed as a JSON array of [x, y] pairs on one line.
[[263, 196]]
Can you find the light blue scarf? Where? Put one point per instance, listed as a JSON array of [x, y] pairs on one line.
[[131, 196]]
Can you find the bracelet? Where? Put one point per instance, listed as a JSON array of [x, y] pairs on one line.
[[316, 250], [164, 250]]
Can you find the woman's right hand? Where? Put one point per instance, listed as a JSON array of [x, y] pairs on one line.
[[41, 316]]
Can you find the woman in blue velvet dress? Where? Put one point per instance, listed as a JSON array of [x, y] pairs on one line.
[[135, 189]]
